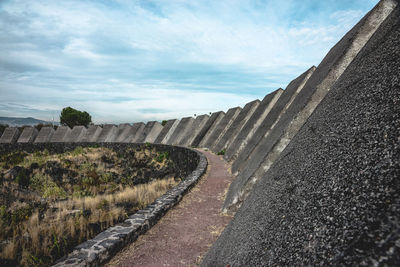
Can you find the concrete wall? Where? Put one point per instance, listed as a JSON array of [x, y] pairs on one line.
[[44, 135], [331, 199], [280, 107], [212, 128], [28, 135], [92, 133], [154, 132], [141, 136], [240, 142], [315, 89], [166, 128], [222, 127], [170, 132], [107, 134], [183, 130], [196, 127], [123, 131], [10, 135], [139, 130], [203, 131], [236, 126], [179, 130], [76, 134], [59, 134]]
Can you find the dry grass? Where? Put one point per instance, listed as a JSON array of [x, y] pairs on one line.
[[45, 237]]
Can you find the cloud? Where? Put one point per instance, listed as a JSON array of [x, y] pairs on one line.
[[126, 60]]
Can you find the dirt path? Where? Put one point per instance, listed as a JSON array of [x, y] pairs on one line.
[[184, 234]]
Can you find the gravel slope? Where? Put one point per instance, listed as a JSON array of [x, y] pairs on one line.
[[333, 196]]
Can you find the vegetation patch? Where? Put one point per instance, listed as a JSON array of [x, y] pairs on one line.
[[49, 203]]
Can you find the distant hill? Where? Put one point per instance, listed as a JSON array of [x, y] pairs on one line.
[[12, 121]]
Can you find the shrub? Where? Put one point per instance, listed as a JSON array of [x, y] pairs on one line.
[[163, 122], [222, 152], [72, 117]]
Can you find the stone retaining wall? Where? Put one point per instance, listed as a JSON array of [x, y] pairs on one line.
[[188, 163]]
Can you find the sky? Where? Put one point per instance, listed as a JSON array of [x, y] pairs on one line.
[[140, 60]]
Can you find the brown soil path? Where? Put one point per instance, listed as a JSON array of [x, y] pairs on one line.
[[184, 234]]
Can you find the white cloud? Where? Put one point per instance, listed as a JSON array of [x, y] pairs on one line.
[[185, 57]]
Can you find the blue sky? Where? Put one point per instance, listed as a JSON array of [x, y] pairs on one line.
[[128, 61]]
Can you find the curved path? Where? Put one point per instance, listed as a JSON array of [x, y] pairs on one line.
[[185, 233]]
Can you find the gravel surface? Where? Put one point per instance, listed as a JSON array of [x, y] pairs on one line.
[[333, 196]]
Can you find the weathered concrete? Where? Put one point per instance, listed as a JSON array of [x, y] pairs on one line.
[[280, 107], [203, 131], [332, 198], [222, 127], [240, 142], [10, 135], [44, 135], [107, 134], [92, 134], [236, 126], [212, 127], [139, 127], [60, 134], [154, 132], [167, 127], [322, 80], [28, 135], [123, 131], [141, 136], [182, 130], [170, 132], [196, 127], [178, 132], [76, 135]]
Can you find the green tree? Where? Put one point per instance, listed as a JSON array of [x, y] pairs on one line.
[[72, 117]]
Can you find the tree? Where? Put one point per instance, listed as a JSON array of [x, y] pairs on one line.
[[72, 117]]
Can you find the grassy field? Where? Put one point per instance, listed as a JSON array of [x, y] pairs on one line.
[[49, 203]]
